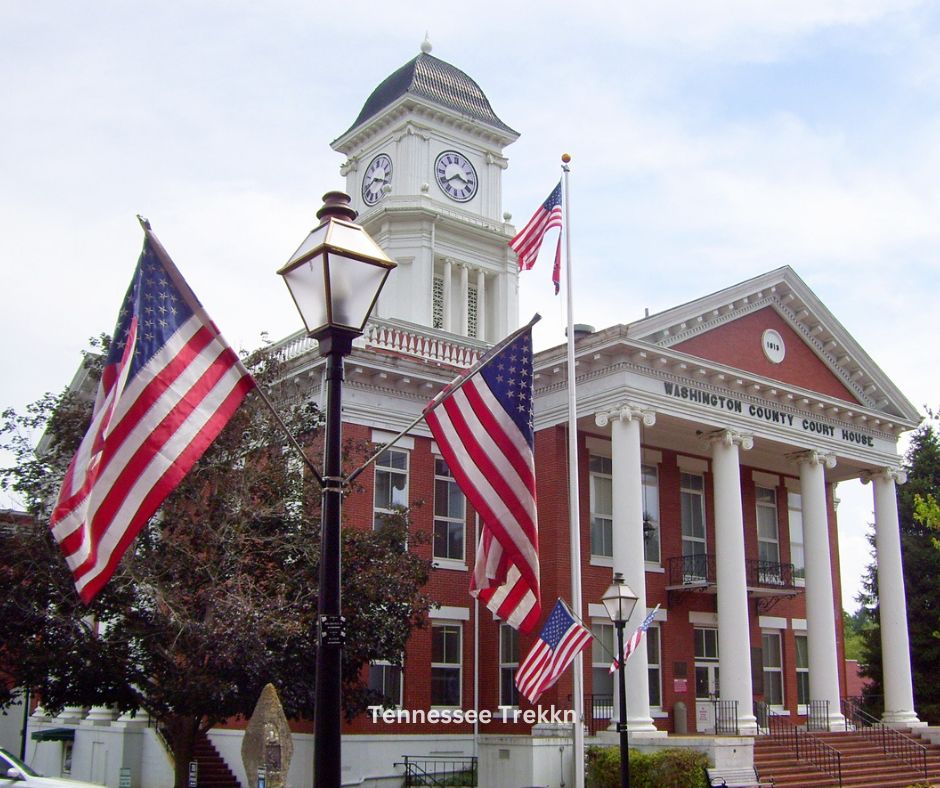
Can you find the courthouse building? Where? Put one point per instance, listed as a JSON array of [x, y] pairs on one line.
[[711, 438]]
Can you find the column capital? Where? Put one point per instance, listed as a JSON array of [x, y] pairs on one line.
[[813, 458], [626, 413], [729, 438], [896, 475]]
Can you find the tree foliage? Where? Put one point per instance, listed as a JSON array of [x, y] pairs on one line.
[[217, 596], [921, 577]]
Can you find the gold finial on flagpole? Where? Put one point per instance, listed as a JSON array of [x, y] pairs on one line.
[[566, 157]]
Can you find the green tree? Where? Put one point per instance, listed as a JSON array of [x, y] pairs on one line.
[[218, 594], [852, 628], [921, 579]]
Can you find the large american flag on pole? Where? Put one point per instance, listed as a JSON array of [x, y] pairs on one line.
[[630, 646], [528, 241], [559, 642], [482, 423], [169, 385]]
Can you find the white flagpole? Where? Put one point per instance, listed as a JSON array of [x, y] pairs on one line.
[[574, 520]]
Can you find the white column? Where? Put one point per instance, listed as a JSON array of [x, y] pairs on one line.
[[734, 638], [448, 294], [820, 602], [627, 484], [464, 301], [481, 304], [895, 644]]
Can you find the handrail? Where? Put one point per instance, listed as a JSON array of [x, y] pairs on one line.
[[893, 743], [804, 745], [438, 770]]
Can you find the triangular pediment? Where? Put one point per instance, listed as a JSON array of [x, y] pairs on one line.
[[739, 326]]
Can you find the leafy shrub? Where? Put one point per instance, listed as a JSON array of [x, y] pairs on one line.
[[670, 768]]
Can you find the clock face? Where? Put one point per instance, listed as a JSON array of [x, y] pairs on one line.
[[456, 176], [378, 175]]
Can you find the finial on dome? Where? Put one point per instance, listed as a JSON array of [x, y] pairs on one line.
[[426, 44]]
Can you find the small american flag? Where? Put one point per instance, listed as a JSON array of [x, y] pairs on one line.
[[634, 641], [482, 423], [528, 241], [559, 642], [169, 385]]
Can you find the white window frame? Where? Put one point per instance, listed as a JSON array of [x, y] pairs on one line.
[[767, 509], [797, 545], [508, 664], [605, 637], [452, 626], [801, 670], [604, 520], [443, 561], [699, 496], [769, 669], [384, 665], [654, 659], [650, 492], [379, 511]]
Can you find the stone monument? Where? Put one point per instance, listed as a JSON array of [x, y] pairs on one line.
[[267, 747]]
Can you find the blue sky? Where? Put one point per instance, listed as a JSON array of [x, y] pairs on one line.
[[712, 141]]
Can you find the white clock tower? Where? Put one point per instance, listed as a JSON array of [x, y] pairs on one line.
[[424, 162]]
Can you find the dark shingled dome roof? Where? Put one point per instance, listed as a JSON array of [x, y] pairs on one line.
[[430, 78]]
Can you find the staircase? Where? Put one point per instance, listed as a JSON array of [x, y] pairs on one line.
[[864, 764], [213, 771]]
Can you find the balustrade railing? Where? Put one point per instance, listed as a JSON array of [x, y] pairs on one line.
[[403, 338]]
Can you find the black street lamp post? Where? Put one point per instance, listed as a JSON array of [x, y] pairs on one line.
[[335, 278], [619, 600]]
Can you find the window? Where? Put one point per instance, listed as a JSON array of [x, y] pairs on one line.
[[391, 484], [508, 662], [706, 663], [449, 514], [692, 514], [802, 670], [655, 665], [650, 513], [446, 653], [773, 668], [602, 650], [795, 515], [385, 678], [768, 542], [602, 507]]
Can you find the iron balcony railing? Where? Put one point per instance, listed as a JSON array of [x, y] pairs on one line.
[[699, 570], [804, 745], [895, 745]]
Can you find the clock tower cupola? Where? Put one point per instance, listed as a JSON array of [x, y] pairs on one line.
[[424, 164]]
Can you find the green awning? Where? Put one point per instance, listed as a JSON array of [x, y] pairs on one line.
[[54, 734]]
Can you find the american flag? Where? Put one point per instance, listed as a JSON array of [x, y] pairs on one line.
[[528, 241], [482, 423], [559, 641], [169, 385], [630, 646]]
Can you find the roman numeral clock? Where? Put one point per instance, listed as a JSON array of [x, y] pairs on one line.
[[377, 177], [455, 176]]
